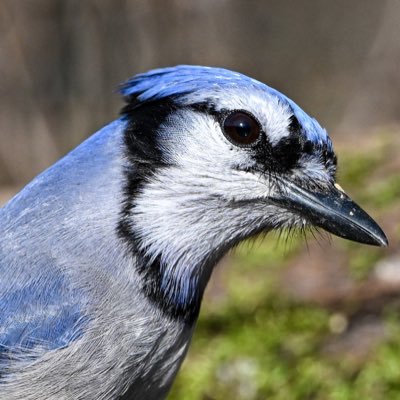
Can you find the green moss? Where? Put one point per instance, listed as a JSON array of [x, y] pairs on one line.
[[362, 260], [385, 192], [245, 357], [356, 169]]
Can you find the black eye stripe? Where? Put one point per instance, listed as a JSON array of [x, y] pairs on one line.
[[284, 155], [288, 151], [294, 125], [241, 128]]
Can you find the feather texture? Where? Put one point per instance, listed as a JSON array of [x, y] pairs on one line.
[[105, 256]]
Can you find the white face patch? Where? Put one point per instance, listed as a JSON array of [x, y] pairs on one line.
[[273, 115], [202, 189], [313, 168], [203, 202], [193, 141]]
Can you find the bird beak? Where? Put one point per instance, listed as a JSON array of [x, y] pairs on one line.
[[332, 210]]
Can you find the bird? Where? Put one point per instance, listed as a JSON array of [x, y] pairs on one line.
[[105, 255]]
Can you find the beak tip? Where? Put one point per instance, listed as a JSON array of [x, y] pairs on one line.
[[377, 237], [383, 241]]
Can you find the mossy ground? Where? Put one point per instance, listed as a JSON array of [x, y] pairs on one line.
[[253, 341]]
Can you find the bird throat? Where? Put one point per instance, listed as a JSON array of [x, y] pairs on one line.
[[175, 287], [178, 290]]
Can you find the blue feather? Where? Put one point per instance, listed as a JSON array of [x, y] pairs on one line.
[[45, 230], [181, 80], [44, 313]]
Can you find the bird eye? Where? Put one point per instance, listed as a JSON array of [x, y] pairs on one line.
[[241, 128]]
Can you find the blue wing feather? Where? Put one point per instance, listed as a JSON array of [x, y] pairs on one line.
[[41, 314], [49, 235]]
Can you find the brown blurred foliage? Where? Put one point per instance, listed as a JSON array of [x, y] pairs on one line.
[[61, 61]]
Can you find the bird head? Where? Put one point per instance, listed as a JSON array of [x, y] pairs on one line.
[[214, 157]]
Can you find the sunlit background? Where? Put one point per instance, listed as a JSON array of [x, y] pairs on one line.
[[282, 319]]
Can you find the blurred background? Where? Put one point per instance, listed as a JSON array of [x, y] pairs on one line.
[[282, 318]]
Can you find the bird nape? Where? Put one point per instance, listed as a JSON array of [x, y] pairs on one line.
[[105, 256]]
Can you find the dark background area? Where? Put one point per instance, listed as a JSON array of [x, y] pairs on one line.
[[281, 319], [61, 61]]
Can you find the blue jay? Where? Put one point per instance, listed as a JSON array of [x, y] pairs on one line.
[[105, 256]]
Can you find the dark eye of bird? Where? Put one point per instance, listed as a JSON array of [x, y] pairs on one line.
[[241, 128]]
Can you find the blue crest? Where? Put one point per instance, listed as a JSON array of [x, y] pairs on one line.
[[181, 80]]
